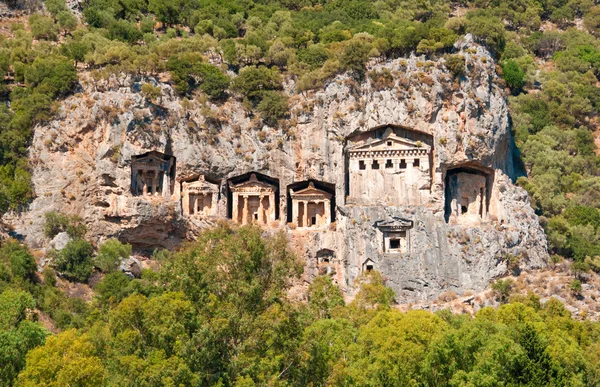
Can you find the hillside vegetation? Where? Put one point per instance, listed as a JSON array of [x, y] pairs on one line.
[[216, 313], [547, 52]]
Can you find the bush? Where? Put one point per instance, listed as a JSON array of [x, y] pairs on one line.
[[355, 56], [513, 75], [273, 107], [150, 92], [75, 260], [113, 288], [487, 29], [42, 27], [575, 286], [188, 72], [253, 82], [56, 223], [502, 289], [110, 255], [456, 65], [22, 264]]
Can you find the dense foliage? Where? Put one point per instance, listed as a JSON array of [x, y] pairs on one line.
[[246, 49], [217, 314]]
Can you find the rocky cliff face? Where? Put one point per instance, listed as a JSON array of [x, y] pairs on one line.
[[81, 164]]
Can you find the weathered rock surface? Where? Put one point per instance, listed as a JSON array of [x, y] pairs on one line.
[[81, 165]]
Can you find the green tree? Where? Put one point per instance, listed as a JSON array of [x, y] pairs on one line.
[[42, 27], [273, 107], [68, 359], [21, 264], [110, 254], [74, 261], [513, 75]]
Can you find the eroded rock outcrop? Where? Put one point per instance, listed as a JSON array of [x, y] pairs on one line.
[[422, 234]]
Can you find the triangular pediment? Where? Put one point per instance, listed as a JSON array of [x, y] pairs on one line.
[[253, 182], [152, 157], [200, 184], [311, 191], [394, 224], [390, 142]]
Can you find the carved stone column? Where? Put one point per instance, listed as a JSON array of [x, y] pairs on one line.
[[245, 211], [261, 218], [305, 215], [295, 212], [145, 189], [272, 206], [234, 207], [327, 212], [155, 183]]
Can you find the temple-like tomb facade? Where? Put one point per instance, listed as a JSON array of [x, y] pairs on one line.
[[395, 235], [152, 173], [311, 207], [467, 194], [390, 169], [199, 197], [253, 200]]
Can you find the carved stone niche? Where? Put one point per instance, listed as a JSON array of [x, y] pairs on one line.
[[467, 194], [325, 262], [153, 173], [253, 200], [199, 197], [395, 235], [392, 167], [311, 207], [368, 265]]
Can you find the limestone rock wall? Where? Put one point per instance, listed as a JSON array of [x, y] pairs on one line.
[[81, 164]]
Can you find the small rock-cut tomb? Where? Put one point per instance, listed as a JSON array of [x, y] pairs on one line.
[[199, 197], [389, 169], [152, 173], [395, 235], [253, 200], [311, 207], [467, 195]]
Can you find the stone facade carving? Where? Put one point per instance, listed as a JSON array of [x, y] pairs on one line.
[[199, 197], [467, 196], [395, 235], [390, 170], [325, 263], [152, 173], [253, 201], [311, 207]]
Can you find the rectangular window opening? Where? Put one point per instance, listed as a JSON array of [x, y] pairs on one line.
[[389, 164], [375, 164], [402, 164], [394, 244], [416, 163], [362, 165]]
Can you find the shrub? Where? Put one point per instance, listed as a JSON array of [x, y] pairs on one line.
[[150, 92], [113, 288], [75, 260], [502, 289], [513, 75], [42, 27], [22, 264], [56, 222], [456, 64], [575, 286], [253, 82], [355, 56], [273, 107], [110, 255], [487, 29]]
